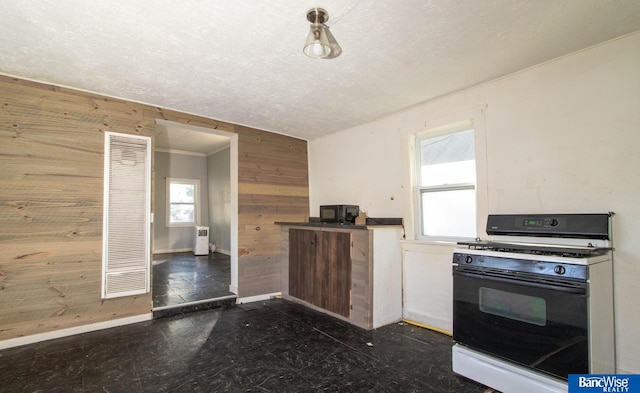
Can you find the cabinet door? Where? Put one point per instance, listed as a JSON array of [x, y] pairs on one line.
[[302, 264], [333, 272]]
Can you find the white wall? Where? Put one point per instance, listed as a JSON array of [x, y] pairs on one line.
[[181, 166], [563, 136], [360, 167]]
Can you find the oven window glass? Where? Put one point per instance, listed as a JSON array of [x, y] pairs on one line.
[[529, 309]]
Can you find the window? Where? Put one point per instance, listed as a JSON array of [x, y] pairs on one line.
[[182, 202], [446, 182]]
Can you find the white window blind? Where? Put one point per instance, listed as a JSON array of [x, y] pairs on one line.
[[127, 206]]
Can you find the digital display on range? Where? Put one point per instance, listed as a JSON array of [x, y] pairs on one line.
[[540, 222], [532, 223]]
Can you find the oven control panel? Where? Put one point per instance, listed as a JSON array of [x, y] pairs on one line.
[[508, 264], [584, 226]]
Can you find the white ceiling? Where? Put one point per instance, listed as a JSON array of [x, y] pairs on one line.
[[242, 61], [180, 139]]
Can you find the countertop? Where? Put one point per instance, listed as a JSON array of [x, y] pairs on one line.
[[321, 225], [371, 223]]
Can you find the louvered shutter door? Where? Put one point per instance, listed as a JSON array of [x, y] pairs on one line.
[[126, 248]]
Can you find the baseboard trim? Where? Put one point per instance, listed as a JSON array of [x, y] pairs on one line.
[[171, 251], [433, 322], [258, 298], [176, 250], [194, 303], [422, 325], [34, 338]]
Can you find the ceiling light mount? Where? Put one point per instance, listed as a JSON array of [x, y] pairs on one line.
[[320, 42], [317, 15]]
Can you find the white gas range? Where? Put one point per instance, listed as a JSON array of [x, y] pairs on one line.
[[534, 302]]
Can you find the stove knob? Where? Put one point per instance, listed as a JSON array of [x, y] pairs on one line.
[[468, 259], [559, 269], [553, 222]]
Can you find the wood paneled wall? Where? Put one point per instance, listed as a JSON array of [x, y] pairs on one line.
[[51, 193], [272, 186]]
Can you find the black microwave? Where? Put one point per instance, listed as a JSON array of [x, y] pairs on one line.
[[341, 214]]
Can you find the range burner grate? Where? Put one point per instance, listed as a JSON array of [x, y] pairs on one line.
[[538, 249]]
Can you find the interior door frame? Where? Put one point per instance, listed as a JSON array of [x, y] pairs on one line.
[[233, 287]]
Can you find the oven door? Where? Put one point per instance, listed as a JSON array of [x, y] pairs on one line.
[[535, 322]]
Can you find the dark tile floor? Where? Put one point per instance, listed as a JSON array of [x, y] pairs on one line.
[[183, 278], [271, 346]]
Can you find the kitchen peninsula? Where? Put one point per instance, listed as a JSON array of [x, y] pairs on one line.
[[353, 272]]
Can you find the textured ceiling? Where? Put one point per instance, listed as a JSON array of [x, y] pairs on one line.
[[242, 61], [174, 139]]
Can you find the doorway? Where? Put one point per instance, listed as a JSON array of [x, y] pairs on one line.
[[181, 279], [206, 158]]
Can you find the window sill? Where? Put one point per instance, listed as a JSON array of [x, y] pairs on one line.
[[190, 225], [426, 242]]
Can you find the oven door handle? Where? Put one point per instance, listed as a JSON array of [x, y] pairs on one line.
[[568, 289]]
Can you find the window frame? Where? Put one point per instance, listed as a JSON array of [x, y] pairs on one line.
[[450, 129], [196, 202]]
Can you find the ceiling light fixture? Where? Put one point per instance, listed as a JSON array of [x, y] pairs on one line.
[[320, 42]]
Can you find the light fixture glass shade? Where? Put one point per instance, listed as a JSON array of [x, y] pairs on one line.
[[320, 42]]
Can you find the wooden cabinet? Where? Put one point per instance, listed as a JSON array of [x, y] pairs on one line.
[[320, 269], [351, 272]]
